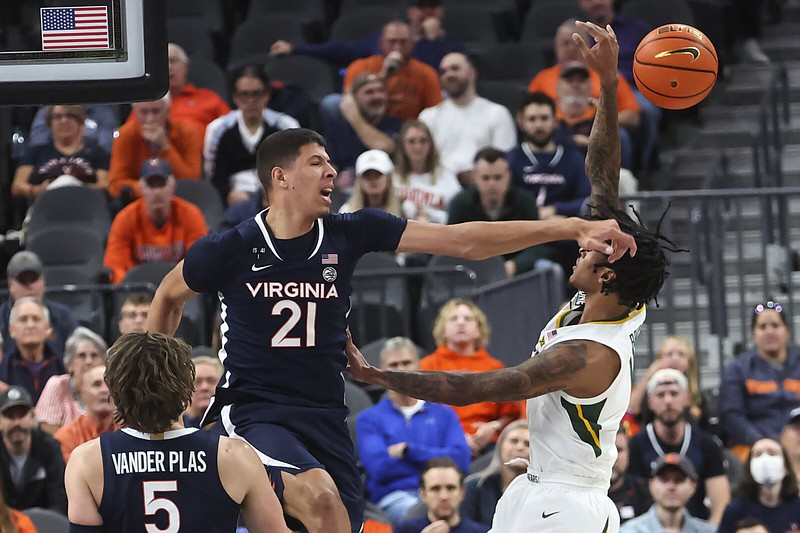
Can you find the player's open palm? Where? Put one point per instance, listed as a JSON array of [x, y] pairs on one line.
[[602, 56]]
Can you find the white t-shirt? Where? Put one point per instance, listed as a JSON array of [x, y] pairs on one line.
[[420, 193], [460, 131]]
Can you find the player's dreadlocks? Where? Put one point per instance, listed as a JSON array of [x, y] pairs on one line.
[[640, 278]]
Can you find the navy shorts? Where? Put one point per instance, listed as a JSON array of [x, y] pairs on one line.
[[296, 439]]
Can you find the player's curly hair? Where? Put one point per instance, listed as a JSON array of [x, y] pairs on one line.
[[639, 278], [151, 379]]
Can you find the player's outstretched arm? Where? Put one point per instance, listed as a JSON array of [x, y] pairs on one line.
[[582, 368], [479, 240], [84, 472], [603, 153], [246, 482], [167, 307]]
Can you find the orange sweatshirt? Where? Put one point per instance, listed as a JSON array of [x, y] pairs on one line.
[[134, 239], [446, 359]]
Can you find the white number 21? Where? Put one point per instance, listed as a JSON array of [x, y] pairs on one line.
[[281, 338]]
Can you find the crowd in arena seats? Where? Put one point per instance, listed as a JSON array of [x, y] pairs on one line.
[[413, 131]]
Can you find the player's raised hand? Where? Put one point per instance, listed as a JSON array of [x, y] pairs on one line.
[[602, 57], [604, 236]]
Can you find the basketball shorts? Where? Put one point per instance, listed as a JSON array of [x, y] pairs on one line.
[[549, 507], [297, 439]]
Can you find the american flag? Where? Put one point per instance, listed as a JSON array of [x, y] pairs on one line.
[[330, 259], [74, 28]]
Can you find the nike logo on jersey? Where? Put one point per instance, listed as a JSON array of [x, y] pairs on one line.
[[255, 268], [548, 515], [691, 50]]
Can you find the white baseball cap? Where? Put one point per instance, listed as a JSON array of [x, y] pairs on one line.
[[374, 160]]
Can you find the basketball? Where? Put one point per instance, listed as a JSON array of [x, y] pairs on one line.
[[675, 66]]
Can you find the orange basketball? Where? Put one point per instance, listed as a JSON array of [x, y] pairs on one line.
[[675, 66]]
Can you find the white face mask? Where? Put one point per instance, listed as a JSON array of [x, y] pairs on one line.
[[767, 469]]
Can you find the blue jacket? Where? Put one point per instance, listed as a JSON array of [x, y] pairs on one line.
[[755, 398], [649, 523], [433, 431], [14, 372]]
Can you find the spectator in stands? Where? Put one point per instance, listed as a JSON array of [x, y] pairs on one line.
[[65, 160], [153, 134], [425, 20], [229, 150], [423, 185], [750, 525], [466, 122], [59, 405], [668, 398], [568, 52], [191, 105], [98, 418], [768, 491], [395, 438], [749, 29], [441, 487], [157, 227], [133, 313], [11, 519], [759, 387], [484, 488], [31, 463], [629, 32], [242, 211], [672, 483], [32, 362], [553, 171], [629, 493], [461, 332], [207, 370], [674, 352], [26, 278], [373, 187], [411, 85], [359, 124], [98, 127], [790, 440], [494, 197]]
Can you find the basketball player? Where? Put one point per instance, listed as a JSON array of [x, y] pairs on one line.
[[154, 475], [283, 280], [578, 379]]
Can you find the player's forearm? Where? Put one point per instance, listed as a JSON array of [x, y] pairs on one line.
[[456, 388], [603, 154], [487, 239], [164, 315]]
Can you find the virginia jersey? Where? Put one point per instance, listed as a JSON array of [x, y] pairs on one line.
[[284, 303], [168, 485], [573, 439]]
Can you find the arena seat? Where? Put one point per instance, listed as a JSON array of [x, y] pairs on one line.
[[658, 13], [511, 62], [70, 206], [363, 22], [205, 196]]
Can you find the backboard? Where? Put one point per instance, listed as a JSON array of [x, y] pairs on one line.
[[82, 51]]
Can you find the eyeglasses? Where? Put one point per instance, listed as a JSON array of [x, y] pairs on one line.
[[130, 315], [246, 95], [775, 306]]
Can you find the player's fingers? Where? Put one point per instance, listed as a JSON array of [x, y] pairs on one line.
[[581, 44], [611, 31], [594, 30]]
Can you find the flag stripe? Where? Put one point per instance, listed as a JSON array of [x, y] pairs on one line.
[[74, 27]]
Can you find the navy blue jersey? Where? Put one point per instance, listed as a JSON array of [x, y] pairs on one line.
[[168, 485], [284, 303]]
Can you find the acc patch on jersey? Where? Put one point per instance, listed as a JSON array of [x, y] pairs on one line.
[[329, 274]]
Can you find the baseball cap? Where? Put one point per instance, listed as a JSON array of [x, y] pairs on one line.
[[155, 171], [14, 396], [424, 3], [363, 79], [794, 416], [374, 160], [674, 460], [574, 67], [667, 376], [22, 262]]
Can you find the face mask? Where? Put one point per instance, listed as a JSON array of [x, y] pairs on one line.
[[767, 469]]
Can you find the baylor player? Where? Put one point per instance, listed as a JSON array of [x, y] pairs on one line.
[[578, 379]]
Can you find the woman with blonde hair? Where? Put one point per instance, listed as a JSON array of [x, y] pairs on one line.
[[461, 331], [674, 352], [373, 187], [509, 460], [422, 184]]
